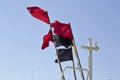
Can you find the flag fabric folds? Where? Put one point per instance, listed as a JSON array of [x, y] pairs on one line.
[[64, 55], [48, 37], [62, 29], [61, 41], [39, 14]]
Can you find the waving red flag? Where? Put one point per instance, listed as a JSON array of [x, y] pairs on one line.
[[62, 29], [39, 14], [48, 37]]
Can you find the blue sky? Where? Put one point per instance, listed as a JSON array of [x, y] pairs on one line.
[[21, 38]]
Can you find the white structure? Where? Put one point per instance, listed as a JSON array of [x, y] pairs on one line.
[[90, 48], [89, 70]]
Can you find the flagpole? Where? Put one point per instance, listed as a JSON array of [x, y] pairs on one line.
[[60, 66], [74, 69], [59, 63], [58, 59], [78, 59]]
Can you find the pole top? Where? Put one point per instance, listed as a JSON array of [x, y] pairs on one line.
[[89, 47]]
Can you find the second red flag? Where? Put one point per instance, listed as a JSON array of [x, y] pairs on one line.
[[39, 14]]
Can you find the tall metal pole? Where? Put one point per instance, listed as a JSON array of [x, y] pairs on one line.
[[90, 48], [74, 69], [90, 58], [60, 66], [78, 62], [63, 78], [77, 57]]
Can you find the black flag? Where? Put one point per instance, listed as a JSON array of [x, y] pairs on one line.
[[61, 41], [64, 55]]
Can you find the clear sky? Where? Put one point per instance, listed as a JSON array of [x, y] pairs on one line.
[[21, 36]]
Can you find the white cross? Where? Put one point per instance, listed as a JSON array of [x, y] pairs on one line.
[[90, 48]]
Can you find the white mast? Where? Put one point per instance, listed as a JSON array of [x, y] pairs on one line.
[[90, 48]]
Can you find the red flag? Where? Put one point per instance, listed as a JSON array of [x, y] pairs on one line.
[[62, 29], [39, 14], [48, 37]]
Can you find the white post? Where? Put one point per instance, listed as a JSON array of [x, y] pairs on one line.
[[90, 59], [90, 48]]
